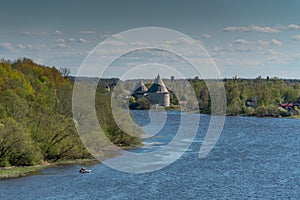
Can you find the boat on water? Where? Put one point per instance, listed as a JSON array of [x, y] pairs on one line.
[[82, 170]]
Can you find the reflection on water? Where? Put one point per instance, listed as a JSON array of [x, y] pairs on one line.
[[255, 158]]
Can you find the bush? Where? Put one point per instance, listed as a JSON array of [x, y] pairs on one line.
[[233, 109], [261, 111], [4, 162], [249, 111], [132, 100], [282, 112], [141, 104]]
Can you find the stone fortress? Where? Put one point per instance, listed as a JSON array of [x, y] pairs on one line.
[[156, 94]]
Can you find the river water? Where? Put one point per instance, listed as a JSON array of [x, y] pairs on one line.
[[254, 158]]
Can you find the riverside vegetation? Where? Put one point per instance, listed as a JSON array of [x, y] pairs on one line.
[[254, 97], [36, 123], [37, 126], [250, 97]]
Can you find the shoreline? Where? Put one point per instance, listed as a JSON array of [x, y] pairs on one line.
[[230, 115], [21, 171]]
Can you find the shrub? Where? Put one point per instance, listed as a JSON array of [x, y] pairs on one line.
[[233, 109], [261, 111], [249, 111]]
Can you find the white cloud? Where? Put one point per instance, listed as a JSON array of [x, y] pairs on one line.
[[113, 35], [257, 43], [252, 62], [275, 57], [293, 26], [27, 33], [263, 29], [167, 46], [273, 52], [241, 41], [245, 42], [62, 45], [278, 59], [181, 41], [7, 46], [104, 35], [201, 42], [262, 43], [242, 62], [82, 40], [295, 56], [60, 40], [296, 37], [229, 46], [114, 43], [70, 53], [71, 40], [252, 28], [139, 43], [222, 51], [185, 40], [21, 46], [118, 36], [206, 36], [58, 32], [276, 42], [249, 46], [88, 32]]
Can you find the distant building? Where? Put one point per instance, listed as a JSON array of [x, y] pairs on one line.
[[107, 87], [251, 102], [172, 79], [140, 90], [287, 106], [157, 93], [291, 106]]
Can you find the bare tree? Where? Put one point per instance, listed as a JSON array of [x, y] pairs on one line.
[[65, 72]]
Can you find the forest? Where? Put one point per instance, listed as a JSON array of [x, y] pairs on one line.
[[36, 121], [269, 97]]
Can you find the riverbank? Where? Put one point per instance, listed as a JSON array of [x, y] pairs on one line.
[[180, 109], [21, 171], [16, 172]]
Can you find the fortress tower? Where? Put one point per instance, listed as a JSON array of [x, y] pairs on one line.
[[157, 93]]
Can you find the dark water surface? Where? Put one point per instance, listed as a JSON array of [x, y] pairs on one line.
[[255, 158]]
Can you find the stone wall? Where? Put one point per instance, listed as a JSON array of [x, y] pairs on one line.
[[162, 99]]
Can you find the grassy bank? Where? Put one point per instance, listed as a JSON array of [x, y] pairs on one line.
[[15, 172]]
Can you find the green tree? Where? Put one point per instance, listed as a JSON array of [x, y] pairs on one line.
[[16, 146]]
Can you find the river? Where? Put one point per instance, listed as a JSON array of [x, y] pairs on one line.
[[254, 158]]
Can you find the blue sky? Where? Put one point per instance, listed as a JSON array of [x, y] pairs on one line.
[[244, 38]]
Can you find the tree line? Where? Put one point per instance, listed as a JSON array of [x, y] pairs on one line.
[[253, 97]]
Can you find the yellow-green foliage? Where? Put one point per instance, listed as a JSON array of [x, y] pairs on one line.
[[36, 121], [269, 93]]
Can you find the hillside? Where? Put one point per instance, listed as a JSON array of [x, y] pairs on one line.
[[36, 122]]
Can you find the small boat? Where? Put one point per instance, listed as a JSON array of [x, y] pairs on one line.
[[82, 170]]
